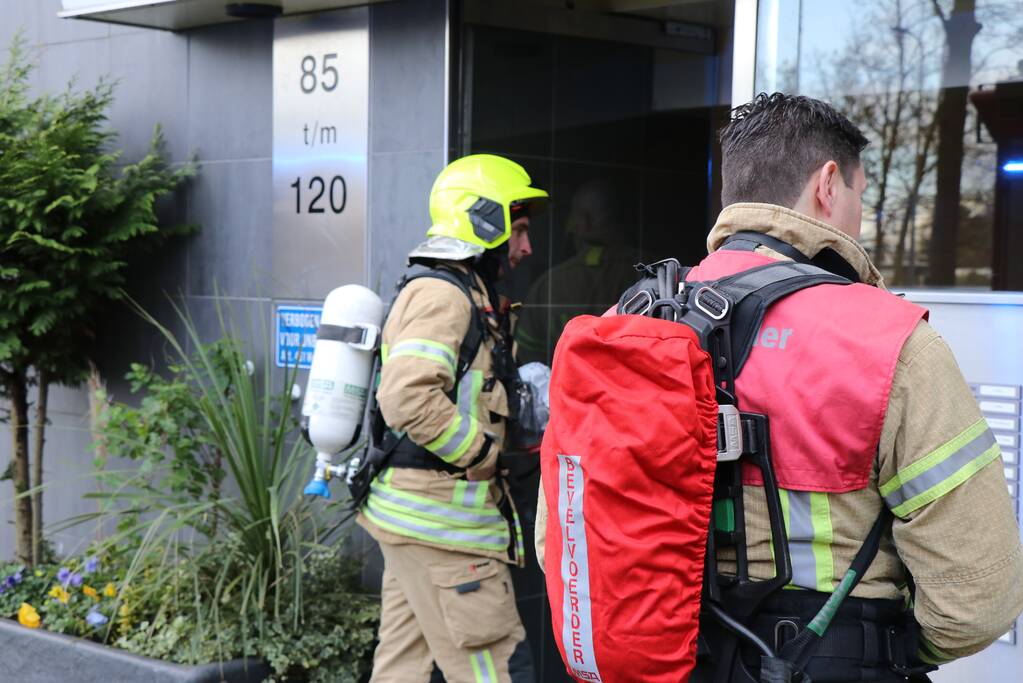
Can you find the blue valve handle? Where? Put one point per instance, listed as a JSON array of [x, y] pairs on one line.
[[317, 487]]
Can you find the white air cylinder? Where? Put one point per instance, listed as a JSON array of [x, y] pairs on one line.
[[339, 378]]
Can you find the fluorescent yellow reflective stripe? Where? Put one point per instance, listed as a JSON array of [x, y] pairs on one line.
[[424, 520], [483, 667], [941, 470], [475, 385], [480, 494], [932, 655], [423, 348], [459, 493], [383, 352], [486, 539], [436, 507], [477, 672], [470, 494], [935, 457], [520, 546], [823, 536], [442, 445], [455, 441], [807, 516], [467, 530], [491, 669], [463, 446]]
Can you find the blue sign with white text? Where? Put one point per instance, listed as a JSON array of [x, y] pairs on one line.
[[296, 335]]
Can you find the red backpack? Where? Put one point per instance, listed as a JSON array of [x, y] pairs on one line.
[[644, 443]]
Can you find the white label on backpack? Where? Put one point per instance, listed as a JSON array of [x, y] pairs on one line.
[[577, 632]]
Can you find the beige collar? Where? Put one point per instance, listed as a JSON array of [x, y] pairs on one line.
[[806, 234]]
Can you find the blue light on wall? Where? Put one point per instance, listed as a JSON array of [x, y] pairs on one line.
[[1013, 166]]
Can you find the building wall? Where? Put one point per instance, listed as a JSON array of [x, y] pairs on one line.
[[210, 90]]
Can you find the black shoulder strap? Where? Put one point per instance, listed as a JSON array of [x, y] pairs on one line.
[[738, 301], [751, 292], [474, 337], [827, 258]]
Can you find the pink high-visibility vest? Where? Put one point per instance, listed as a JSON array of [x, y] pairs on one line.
[[821, 368]]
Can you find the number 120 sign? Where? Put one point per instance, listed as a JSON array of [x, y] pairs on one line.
[[320, 137]]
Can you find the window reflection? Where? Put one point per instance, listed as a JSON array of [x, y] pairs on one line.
[[911, 74], [617, 121], [599, 266]]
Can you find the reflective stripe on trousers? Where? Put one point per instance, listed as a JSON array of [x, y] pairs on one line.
[[483, 667]]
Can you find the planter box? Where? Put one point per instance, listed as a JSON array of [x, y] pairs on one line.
[[38, 656]]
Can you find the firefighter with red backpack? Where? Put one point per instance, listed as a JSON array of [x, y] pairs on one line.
[[430, 489], [767, 467]]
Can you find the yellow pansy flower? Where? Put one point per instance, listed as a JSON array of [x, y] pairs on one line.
[[27, 616], [110, 590], [91, 592], [59, 593]]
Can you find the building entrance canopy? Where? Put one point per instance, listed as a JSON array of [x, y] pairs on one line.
[[177, 15]]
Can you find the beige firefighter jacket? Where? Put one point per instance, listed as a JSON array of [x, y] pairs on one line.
[[421, 340], [960, 540]]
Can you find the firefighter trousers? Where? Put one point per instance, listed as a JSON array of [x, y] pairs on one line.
[[455, 609]]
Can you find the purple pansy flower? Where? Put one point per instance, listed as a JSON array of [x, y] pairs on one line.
[[64, 575], [95, 618], [91, 564], [75, 580]]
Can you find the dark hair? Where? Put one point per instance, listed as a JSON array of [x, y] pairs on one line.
[[774, 143]]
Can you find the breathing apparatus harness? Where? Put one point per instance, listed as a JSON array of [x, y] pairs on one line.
[[388, 448], [726, 315]]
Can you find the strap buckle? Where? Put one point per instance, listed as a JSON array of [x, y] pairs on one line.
[[717, 308], [637, 300], [896, 647], [783, 625], [729, 433], [370, 337]]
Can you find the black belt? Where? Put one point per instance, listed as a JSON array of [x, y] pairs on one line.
[[410, 454], [868, 640]]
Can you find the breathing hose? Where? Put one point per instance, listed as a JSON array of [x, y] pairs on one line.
[[738, 629]]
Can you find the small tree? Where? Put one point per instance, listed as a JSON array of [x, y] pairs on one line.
[[71, 220]]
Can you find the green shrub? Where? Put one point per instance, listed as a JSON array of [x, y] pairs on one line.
[[219, 554], [160, 615]]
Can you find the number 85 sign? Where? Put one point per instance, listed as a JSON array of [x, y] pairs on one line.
[[320, 135]]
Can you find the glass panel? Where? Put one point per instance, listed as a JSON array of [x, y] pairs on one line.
[[937, 86], [613, 114]]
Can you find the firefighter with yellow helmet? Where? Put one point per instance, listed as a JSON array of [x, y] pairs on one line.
[[439, 507]]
